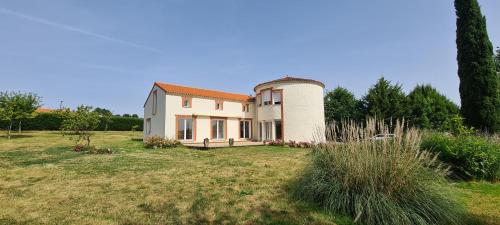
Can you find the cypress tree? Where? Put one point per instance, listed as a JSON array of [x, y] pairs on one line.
[[478, 79]]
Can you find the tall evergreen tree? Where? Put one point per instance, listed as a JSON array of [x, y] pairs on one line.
[[427, 108], [478, 80], [497, 60], [340, 104], [384, 101]]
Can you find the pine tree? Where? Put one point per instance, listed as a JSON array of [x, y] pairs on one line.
[[478, 80], [340, 104], [384, 101], [429, 109]]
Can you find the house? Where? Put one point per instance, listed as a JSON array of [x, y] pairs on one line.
[[284, 109]]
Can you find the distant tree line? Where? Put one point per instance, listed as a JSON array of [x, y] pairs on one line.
[[423, 107], [18, 111]]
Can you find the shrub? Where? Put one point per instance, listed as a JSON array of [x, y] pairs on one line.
[[275, 143], [470, 157], [91, 149], [389, 181], [293, 144], [159, 142], [302, 144]]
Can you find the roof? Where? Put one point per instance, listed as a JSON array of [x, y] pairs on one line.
[[177, 89], [291, 79], [44, 110]]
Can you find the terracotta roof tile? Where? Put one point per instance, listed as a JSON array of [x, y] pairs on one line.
[[291, 79], [177, 89], [44, 110]]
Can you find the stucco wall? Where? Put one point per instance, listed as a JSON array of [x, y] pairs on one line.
[[204, 108], [157, 120], [303, 110]]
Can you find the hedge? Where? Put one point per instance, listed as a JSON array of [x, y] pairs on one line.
[[470, 157], [52, 121]]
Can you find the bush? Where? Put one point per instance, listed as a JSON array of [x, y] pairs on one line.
[[92, 149], [388, 181], [53, 121], [118, 123], [159, 142], [470, 157], [275, 143], [302, 144]]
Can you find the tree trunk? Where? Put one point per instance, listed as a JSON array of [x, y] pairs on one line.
[[10, 128], [19, 128], [106, 127], [88, 140]]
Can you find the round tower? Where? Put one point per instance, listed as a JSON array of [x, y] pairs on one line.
[[290, 109]]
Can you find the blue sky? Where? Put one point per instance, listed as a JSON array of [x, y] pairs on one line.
[[108, 53]]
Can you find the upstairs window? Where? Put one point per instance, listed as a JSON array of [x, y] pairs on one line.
[[186, 102], [219, 105], [277, 97], [155, 101], [266, 97], [259, 100], [245, 108]]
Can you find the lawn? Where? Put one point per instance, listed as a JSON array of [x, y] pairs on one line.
[[42, 181]]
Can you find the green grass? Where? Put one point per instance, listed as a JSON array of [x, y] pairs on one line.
[[42, 181]]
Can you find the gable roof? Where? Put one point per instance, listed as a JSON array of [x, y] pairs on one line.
[[44, 110], [291, 79], [183, 90]]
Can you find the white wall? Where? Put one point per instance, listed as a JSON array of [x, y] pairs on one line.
[[157, 120], [303, 110], [204, 108]]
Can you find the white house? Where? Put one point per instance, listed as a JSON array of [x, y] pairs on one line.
[[288, 109]]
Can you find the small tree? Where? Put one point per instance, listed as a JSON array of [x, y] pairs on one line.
[[26, 105], [80, 123], [17, 106], [340, 104], [105, 116]]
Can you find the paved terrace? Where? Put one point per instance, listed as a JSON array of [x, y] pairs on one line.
[[224, 144]]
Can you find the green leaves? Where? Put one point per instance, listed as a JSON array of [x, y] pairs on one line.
[[384, 100], [80, 123], [340, 104], [479, 82]]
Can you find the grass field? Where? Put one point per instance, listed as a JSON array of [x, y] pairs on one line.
[[42, 181]]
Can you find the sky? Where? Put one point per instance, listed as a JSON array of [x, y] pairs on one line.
[[107, 53]]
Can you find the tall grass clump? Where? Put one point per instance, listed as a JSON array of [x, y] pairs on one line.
[[387, 181]]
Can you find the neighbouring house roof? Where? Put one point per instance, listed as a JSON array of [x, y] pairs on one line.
[[44, 110], [290, 79], [183, 90]]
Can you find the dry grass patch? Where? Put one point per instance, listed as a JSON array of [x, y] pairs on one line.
[[42, 181]]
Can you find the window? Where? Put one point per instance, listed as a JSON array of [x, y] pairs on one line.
[[277, 129], [266, 97], [268, 130], [245, 129], [185, 128], [219, 105], [155, 101], [259, 100], [186, 102], [148, 126], [218, 129], [260, 131], [245, 108], [276, 97]]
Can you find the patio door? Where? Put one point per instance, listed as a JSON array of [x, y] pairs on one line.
[[218, 129], [268, 131], [245, 129]]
